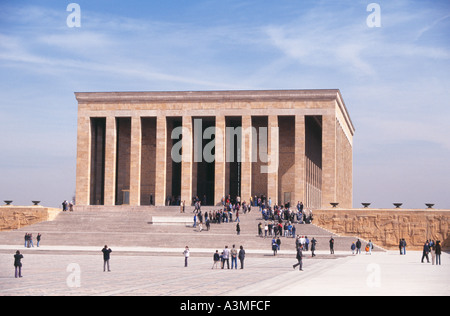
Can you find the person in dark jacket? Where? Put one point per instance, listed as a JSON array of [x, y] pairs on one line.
[[106, 256], [426, 251], [241, 256], [216, 259], [18, 264], [299, 258], [313, 247], [438, 250]]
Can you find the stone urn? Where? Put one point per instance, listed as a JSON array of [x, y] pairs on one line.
[[36, 202], [366, 205], [398, 205], [429, 205], [8, 202], [334, 205]]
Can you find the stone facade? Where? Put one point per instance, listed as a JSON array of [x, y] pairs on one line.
[[16, 217], [125, 141], [385, 227]]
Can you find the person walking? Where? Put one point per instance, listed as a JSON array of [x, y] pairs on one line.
[[299, 258], [226, 257], [274, 247], [238, 229], [18, 264], [106, 257], [38, 238], [404, 246], [438, 252], [432, 251], [353, 247], [358, 246], [313, 247], [332, 246], [278, 243], [216, 259], [370, 247], [30, 240], [242, 256], [186, 256], [426, 251]]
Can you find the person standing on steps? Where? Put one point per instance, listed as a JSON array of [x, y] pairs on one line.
[[106, 257]]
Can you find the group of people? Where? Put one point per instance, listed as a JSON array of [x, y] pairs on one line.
[[433, 248], [228, 214], [29, 240], [228, 254], [222, 258], [276, 229], [280, 213], [67, 206], [356, 247]]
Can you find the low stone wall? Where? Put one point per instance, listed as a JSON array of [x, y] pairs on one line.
[[15, 217], [385, 227]]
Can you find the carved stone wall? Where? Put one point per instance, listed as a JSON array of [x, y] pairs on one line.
[[385, 227], [15, 217]]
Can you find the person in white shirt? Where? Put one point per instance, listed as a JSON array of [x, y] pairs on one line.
[[186, 256]]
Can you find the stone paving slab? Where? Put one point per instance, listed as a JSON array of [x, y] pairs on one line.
[[64, 273]]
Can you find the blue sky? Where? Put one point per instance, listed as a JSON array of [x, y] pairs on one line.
[[394, 79]]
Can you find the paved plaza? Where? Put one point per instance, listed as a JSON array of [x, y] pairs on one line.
[[72, 271]]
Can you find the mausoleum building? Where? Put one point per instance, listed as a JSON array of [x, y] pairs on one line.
[[143, 148]]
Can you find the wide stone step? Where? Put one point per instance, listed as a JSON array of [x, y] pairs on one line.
[[154, 227]]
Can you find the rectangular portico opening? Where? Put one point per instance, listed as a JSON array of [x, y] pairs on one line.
[[203, 168], [97, 185], [259, 153], [123, 155], [173, 166], [233, 143], [313, 161], [286, 169], [148, 160]]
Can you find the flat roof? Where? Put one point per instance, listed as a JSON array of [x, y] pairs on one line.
[[217, 96]]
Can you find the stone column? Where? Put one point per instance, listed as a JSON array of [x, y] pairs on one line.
[[83, 161], [246, 158], [219, 177], [135, 161], [161, 161], [273, 157], [110, 161], [186, 163], [328, 160], [300, 163]]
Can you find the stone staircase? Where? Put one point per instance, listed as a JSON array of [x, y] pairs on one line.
[[134, 227]]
